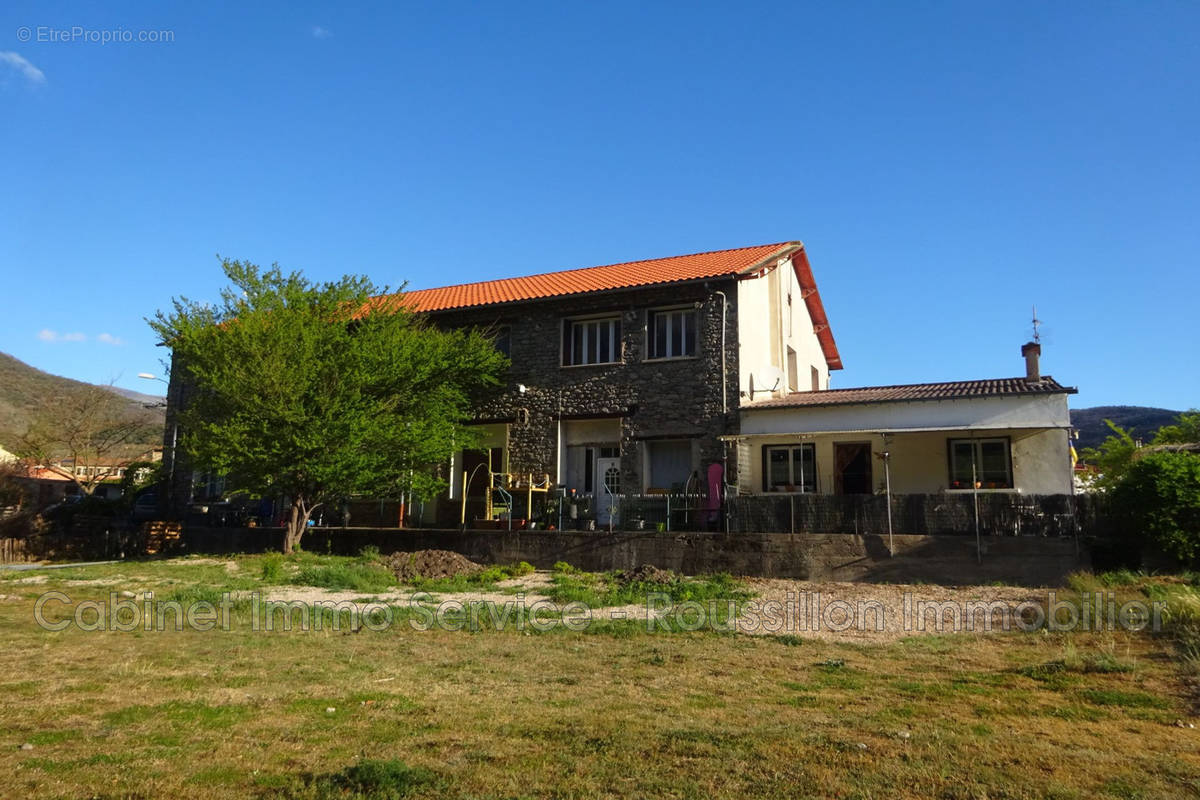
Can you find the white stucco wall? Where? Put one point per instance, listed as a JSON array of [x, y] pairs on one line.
[[1036, 426], [1022, 411], [919, 461], [763, 335]]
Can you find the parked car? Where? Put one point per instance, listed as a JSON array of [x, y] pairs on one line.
[[145, 506]]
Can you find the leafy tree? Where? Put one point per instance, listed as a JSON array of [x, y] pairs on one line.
[[138, 475], [1113, 457], [86, 435], [1159, 499], [1186, 430], [315, 391]]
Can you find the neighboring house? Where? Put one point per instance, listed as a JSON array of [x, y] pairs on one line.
[[46, 487], [1001, 435], [51, 483]]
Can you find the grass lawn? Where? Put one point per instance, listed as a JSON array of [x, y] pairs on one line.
[[616, 712]]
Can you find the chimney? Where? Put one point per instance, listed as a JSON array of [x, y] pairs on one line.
[[1032, 351]]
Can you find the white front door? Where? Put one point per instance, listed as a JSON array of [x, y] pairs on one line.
[[608, 486]]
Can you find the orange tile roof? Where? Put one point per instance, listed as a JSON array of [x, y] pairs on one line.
[[910, 392], [742, 261], [715, 264]]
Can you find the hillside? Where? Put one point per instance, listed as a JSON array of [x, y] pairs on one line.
[[23, 389], [1142, 420]]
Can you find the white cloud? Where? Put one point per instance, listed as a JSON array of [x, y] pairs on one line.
[[108, 338], [320, 33], [17, 62], [47, 335]]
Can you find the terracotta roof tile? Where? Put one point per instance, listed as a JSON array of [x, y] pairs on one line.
[[628, 275], [951, 390], [594, 279]]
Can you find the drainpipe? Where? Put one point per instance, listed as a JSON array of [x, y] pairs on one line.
[[724, 389], [724, 414]]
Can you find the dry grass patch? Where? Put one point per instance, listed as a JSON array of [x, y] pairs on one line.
[[439, 714]]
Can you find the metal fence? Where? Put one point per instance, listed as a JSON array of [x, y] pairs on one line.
[[952, 513], [997, 514]]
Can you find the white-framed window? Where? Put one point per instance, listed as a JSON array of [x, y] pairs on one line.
[[671, 333], [789, 468], [591, 341], [988, 461]]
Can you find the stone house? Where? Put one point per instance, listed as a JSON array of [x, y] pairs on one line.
[[629, 378], [700, 373]]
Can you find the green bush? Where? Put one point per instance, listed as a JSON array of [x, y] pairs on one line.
[[351, 576], [272, 568], [1158, 499]]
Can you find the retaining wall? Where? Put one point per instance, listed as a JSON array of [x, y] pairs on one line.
[[1032, 561]]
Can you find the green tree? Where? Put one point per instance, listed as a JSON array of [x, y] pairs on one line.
[[1159, 499], [1113, 457], [139, 475], [1186, 430], [315, 391]]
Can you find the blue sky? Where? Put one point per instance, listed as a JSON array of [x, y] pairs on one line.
[[948, 166]]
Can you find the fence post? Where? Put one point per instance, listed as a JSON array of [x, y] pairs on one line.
[[887, 477], [975, 497]]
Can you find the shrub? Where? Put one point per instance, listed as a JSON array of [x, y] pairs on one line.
[[272, 568], [1159, 499], [353, 576]]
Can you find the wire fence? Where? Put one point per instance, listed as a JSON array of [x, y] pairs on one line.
[[997, 514]]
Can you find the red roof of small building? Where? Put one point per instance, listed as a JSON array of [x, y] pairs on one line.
[[950, 390], [741, 262]]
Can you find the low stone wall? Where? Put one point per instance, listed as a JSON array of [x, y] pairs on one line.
[[1032, 561]]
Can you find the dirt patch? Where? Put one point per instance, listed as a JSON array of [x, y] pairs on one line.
[[430, 564], [879, 612]]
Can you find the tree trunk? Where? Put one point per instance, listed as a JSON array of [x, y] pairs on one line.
[[295, 528]]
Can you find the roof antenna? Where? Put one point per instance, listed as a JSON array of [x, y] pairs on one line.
[[1037, 324]]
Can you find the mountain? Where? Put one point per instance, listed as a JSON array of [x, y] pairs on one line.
[[1142, 420], [24, 389], [139, 397]]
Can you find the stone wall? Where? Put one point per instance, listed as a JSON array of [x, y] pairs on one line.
[[653, 399], [1029, 561]]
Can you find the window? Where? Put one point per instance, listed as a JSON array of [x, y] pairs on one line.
[[988, 459], [669, 465], [816, 379], [790, 468], [503, 340], [591, 341], [671, 333], [793, 371]]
